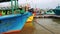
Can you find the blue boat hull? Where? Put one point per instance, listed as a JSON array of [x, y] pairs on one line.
[[13, 22]]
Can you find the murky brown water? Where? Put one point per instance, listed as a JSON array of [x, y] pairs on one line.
[[56, 20], [50, 23]]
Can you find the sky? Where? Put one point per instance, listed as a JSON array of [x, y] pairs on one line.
[[43, 4]]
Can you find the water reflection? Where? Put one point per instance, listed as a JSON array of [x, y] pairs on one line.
[[53, 24], [57, 20]]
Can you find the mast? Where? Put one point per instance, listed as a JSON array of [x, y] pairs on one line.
[[12, 7], [15, 5]]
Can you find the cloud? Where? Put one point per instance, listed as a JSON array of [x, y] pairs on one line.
[[37, 3], [43, 3]]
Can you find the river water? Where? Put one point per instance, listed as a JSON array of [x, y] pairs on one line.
[[52, 24]]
